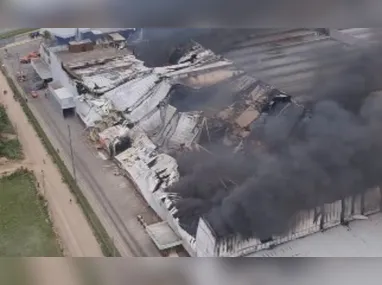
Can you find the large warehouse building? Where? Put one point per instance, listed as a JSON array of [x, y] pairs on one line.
[[159, 123]]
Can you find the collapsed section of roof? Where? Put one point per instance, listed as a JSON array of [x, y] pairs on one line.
[[147, 168], [151, 115]]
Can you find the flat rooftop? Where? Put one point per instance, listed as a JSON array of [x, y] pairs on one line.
[[63, 93], [98, 53]]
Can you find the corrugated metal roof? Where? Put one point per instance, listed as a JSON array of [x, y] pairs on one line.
[[128, 94], [187, 130], [290, 60], [156, 96], [156, 124], [88, 113], [145, 166]]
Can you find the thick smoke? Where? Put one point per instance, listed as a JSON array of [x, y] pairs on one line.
[[333, 154], [156, 45]]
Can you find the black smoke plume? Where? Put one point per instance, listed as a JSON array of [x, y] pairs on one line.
[[334, 153]]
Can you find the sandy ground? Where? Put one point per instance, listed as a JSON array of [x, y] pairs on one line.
[[68, 219]]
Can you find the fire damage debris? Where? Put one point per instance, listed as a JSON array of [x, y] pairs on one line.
[[234, 150], [159, 113], [162, 117], [308, 157]]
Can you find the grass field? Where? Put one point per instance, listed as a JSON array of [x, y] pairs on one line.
[[15, 32], [25, 228], [9, 147], [5, 123]]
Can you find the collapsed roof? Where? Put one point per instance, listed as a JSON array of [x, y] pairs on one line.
[[148, 115]]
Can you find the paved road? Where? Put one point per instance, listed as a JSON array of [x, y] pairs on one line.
[[113, 198], [73, 230], [47, 271]]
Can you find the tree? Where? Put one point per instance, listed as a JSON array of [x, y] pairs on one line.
[[48, 38], [47, 35]]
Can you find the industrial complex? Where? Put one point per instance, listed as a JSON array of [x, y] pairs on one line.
[[199, 137]]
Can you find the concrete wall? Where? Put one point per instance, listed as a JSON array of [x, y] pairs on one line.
[[45, 54], [59, 75]]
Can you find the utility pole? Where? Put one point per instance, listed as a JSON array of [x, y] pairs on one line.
[[19, 64], [71, 153], [112, 242], [43, 182]]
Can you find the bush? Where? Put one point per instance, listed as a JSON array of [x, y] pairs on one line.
[[10, 149], [5, 123]]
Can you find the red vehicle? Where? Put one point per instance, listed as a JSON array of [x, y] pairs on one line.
[[34, 94], [25, 59], [29, 57], [34, 54]]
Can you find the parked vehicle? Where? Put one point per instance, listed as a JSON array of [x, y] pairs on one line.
[[29, 57], [25, 60], [34, 35], [34, 54], [39, 85], [21, 77]]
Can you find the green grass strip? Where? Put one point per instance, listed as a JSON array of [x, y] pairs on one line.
[[16, 32], [25, 226]]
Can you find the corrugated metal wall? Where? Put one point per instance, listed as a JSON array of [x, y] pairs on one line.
[[372, 201], [305, 223]]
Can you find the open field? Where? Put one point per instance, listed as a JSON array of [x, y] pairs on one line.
[[10, 147], [25, 226], [15, 32], [5, 124]]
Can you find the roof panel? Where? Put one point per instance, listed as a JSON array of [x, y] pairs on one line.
[[158, 94], [163, 236], [128, 94], [117, 37]]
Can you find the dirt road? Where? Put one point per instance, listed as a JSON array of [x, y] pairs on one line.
[[75, 234]]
